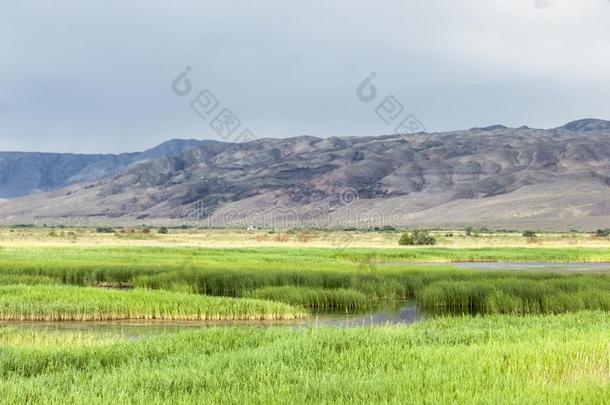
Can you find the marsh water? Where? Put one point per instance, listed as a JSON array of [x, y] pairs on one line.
[[542, 267], [385, 313], [515, 266]]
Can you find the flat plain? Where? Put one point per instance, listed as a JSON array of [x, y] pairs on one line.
[[484, 335]]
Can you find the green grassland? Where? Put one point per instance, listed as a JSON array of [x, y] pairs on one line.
[[67, 303], [324, 278], [489, 335], [493, 359], [320, 298]]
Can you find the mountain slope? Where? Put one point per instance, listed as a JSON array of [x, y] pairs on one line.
[[495, 176], [23, 173]]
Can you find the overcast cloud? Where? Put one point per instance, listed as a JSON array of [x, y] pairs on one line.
[[83, 77]]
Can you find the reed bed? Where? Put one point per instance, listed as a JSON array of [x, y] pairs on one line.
[[322, 277], [92, 265], [547, 356], [26, 279], [65, 303], [495, 359], [37, 337], [317, 298], [520, 294]]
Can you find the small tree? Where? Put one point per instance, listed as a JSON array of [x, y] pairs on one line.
[[405, 239], [423, 238], [162, 230], [468, 231], [529, 234]]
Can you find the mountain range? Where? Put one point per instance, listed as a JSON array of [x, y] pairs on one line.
[[498, 177], [23, 173]]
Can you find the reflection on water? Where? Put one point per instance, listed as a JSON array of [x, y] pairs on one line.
[[385, 313], [543, 267]]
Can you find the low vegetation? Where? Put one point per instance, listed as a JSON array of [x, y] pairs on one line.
[[318, 298], [63, 303], [475, 344], [494, 359], [322, 278], [417, 237], [520, 294]]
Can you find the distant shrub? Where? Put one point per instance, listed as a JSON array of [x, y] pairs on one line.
[[163, 230], [388, 228], [602, 233], [146, 230], [468, 231], [484, 230], [529, 234], [303, 236], [104, 229], [406, 239], [281, 237], [261, 237], [417, 237]]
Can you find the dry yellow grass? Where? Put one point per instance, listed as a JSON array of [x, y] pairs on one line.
[[20, 237]]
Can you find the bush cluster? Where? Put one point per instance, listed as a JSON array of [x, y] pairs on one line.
[[417, 237]]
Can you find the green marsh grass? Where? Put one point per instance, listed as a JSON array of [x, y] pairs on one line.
[[521, 293], [66, 303], [318, 298], [494, 359], [526, 349], [291, 272], [91, 265]]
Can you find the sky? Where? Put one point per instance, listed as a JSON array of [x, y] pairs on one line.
[[102, 77]]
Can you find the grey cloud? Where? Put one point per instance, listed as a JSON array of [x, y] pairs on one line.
[[95, 77]]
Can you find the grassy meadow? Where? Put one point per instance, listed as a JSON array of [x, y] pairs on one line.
[[348, 278], [492, 359], [487, 336], [67, 303]]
